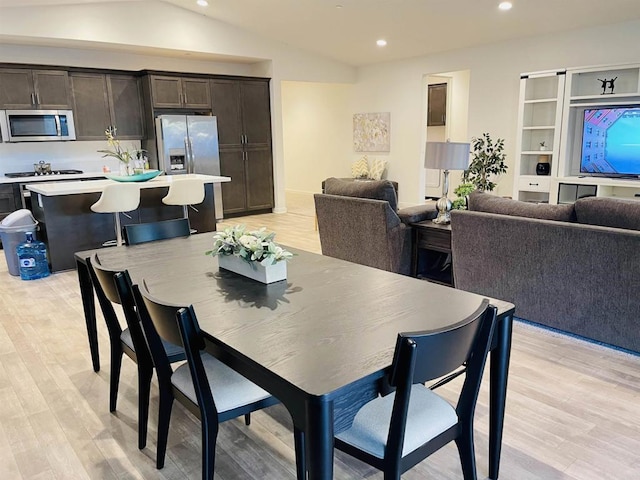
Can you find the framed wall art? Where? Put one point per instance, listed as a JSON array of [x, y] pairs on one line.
[[372, 132]]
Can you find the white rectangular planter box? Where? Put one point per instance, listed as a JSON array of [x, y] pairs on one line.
[[269, 274]]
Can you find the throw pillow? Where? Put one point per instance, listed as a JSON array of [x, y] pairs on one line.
[[377, 168], [485, 202], [360, 168]]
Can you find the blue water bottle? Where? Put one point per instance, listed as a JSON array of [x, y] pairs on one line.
[[32, 258]]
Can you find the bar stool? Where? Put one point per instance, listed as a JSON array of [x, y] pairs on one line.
[[185, 192], [118, 198]]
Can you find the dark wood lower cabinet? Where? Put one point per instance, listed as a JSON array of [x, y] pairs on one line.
[[259, 179], [251, 186]]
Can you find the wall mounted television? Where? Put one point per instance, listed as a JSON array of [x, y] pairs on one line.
[[611, 142]]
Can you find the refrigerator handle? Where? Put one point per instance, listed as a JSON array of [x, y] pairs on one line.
[[192, 158], [187, 155]]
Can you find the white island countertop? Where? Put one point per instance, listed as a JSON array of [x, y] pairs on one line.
[[50, 189]]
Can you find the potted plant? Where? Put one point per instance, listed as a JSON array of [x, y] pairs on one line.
[[253, 254], [461, 192], [487, 158]]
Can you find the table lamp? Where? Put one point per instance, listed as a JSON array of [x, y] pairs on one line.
[[446, 156]]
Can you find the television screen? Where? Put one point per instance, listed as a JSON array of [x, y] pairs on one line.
[[611, 141]]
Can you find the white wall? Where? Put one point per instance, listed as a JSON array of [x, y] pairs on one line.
[[493, 89], [317, 124], [170, 38]]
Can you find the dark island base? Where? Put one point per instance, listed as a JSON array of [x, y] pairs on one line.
[[67, 224]]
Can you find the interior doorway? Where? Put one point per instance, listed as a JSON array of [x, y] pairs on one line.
[[446, 117]]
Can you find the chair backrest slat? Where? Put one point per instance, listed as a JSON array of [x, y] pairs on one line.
[[149, 232], [440, 352]]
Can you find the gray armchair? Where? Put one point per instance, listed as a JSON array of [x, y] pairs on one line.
[[359, 222]]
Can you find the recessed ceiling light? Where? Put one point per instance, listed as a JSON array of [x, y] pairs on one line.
[[381, 43], [505, 5], [202, 3]]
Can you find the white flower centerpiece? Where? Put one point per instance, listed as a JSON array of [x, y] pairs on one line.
[[253, 253]]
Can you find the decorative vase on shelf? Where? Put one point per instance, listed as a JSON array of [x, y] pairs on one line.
[[543, 167], [269, 274]]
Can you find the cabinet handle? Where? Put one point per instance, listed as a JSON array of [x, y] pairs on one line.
[[33, 99], [38, 98], [533, 184], [185, 98]]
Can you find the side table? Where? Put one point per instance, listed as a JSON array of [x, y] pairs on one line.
[[432, 252]]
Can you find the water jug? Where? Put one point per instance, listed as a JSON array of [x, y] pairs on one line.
[[32, 258]]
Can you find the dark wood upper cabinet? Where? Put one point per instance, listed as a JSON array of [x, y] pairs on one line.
[[225, 100], [25, 89], [101, 101], [437, 105], [90, 105], [126, 107], [180, 92], [243, 111], [256, 114]]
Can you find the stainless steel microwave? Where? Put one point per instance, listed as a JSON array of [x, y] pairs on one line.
[[37, 125]]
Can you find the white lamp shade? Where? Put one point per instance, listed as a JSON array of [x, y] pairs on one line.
[[447, 155]]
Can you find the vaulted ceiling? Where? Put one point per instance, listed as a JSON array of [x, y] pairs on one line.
[[347, 30]]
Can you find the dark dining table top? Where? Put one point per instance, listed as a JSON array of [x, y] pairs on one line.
[[328, 325]]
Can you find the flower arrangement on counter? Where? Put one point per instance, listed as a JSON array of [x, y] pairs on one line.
[[124, 156], [250, 246]]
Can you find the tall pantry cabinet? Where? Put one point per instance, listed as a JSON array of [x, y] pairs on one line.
[[244, 134]]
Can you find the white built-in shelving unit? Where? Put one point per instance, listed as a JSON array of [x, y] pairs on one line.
[[551, 110], [539, 120]]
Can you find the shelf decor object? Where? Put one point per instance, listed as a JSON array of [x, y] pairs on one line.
[[543, 167], [446, 156], [252, 254]]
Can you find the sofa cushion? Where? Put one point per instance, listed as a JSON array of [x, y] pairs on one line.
[[372, 189], [484, 202], [609, 212]]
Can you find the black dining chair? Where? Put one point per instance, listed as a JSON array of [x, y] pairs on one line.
[[162, 230], [398, 430], [129, 341], [208, 388]]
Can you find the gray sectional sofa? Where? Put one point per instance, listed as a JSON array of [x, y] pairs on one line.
[[575, 267]]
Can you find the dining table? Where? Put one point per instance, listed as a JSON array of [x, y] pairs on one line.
[[320, 341]]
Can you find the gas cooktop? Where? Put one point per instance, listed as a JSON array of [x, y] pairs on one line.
[[49, 174]]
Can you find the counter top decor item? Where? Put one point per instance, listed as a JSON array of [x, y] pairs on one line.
[[251, 253], [136, 177], [127, 158]]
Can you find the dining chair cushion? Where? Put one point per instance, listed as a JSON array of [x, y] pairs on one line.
[[429, 415], [229, 389], [174, 352]]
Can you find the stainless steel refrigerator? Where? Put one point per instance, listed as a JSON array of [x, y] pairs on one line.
[[189, 144]]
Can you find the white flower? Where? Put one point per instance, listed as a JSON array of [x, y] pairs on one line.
[[254, 246]]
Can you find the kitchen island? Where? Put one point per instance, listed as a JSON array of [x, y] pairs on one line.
[[67, 224]]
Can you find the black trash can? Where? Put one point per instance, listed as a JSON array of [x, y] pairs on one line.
[[12, 233]]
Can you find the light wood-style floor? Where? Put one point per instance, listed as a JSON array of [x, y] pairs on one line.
[[573, 408]]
